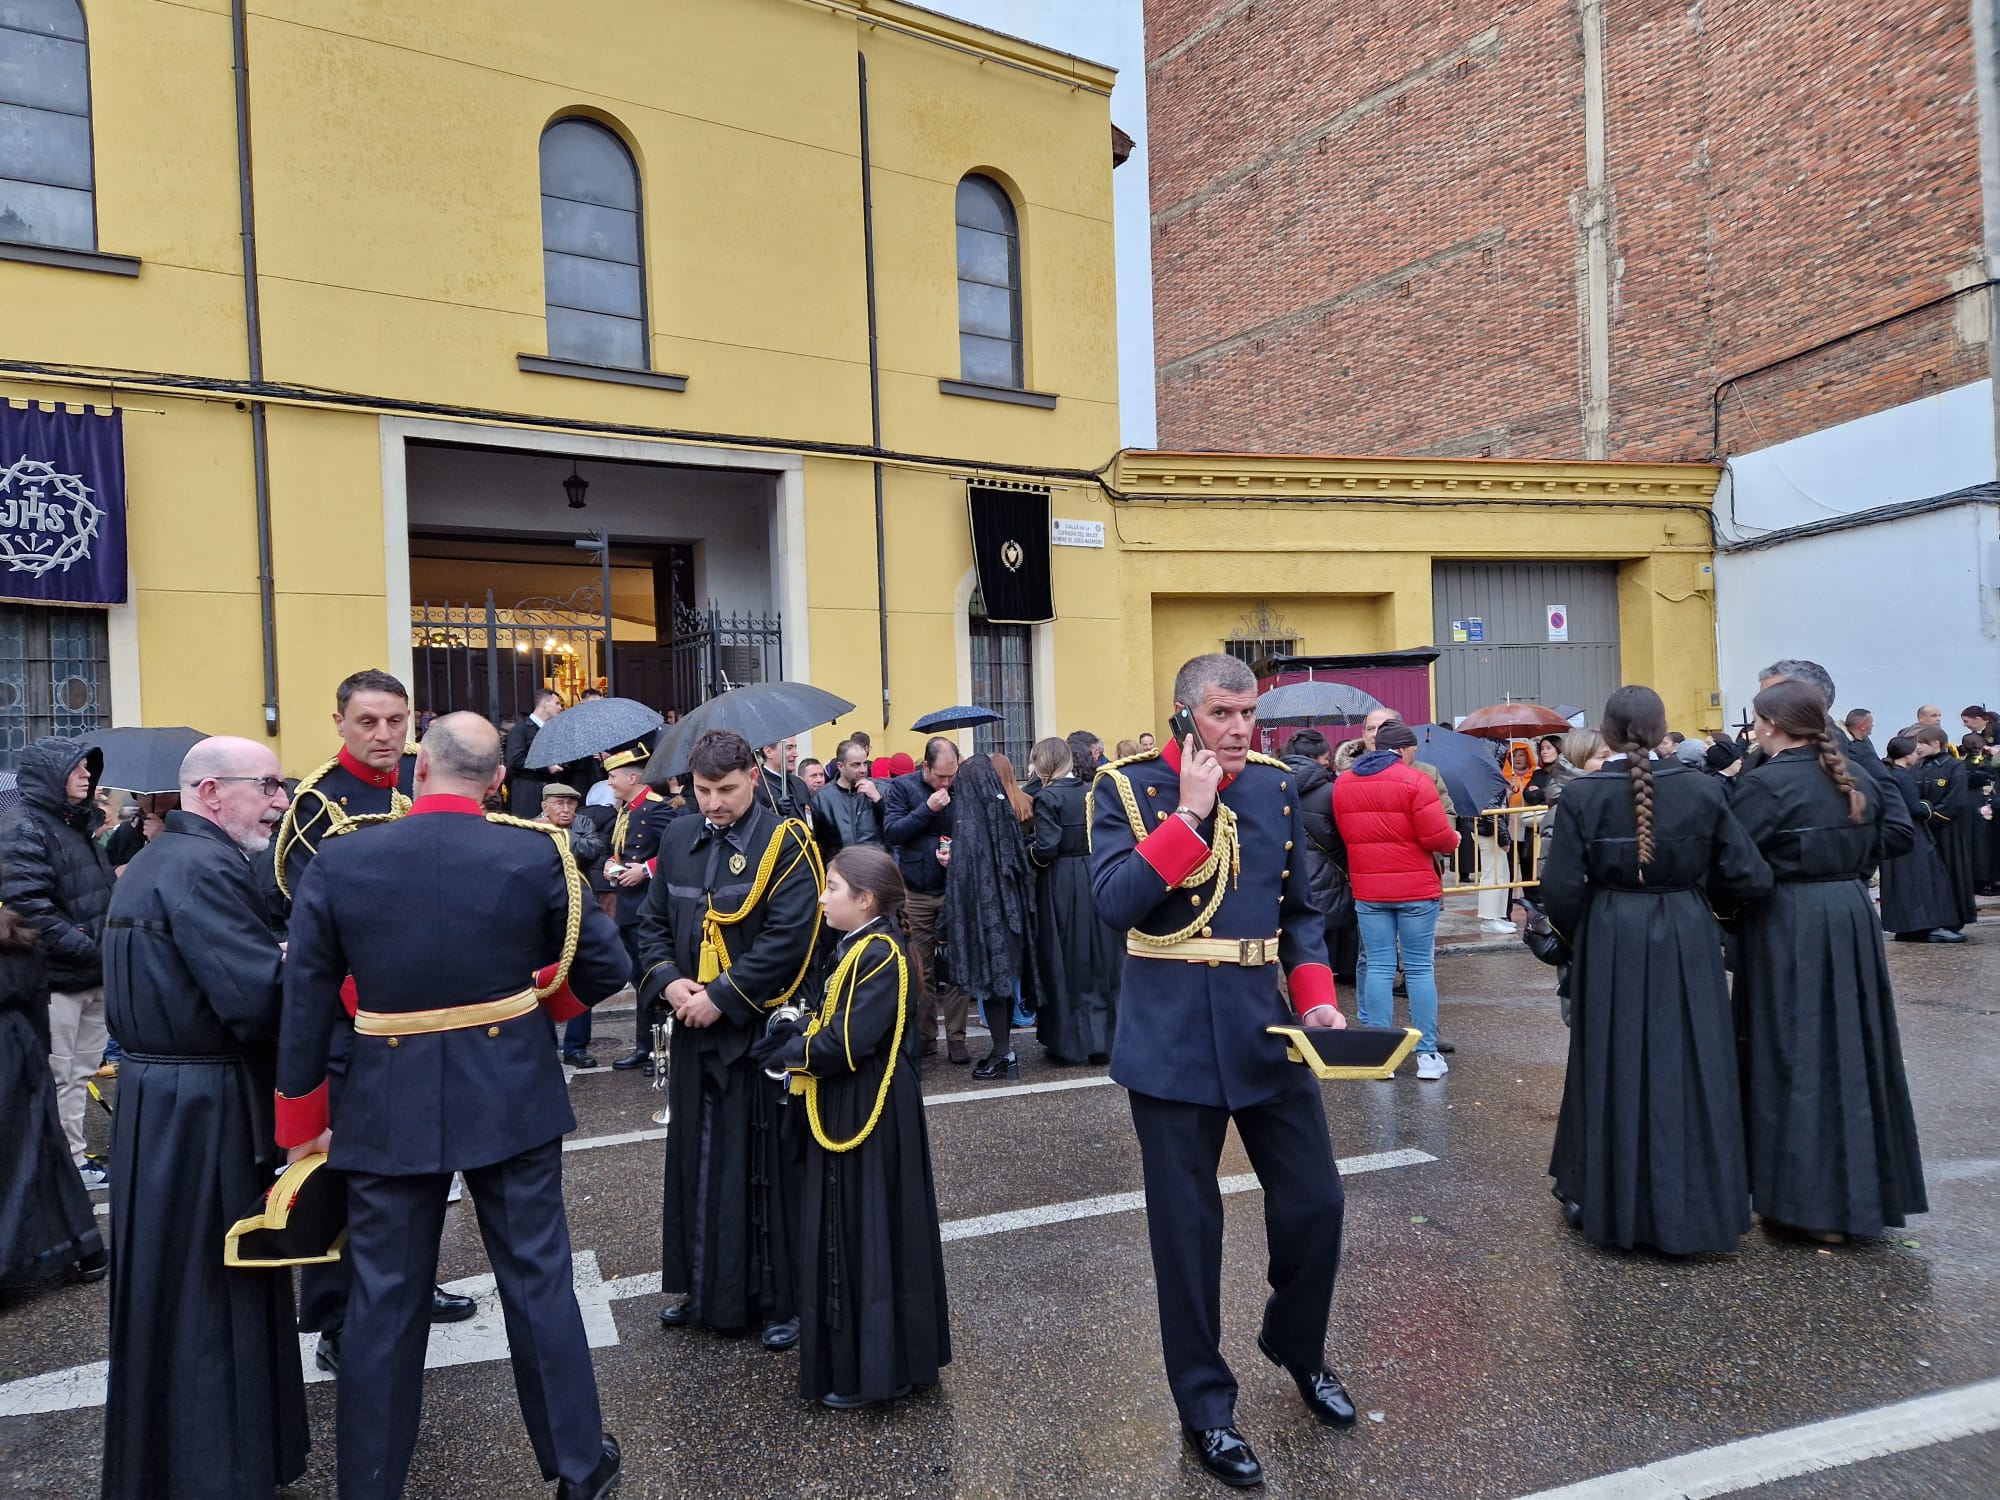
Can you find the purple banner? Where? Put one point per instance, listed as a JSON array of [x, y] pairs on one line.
[[62, 505]]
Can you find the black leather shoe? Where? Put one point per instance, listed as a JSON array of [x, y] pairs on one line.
[[781, 1336], [1222, 1451], [449, 1307], [678, 1313], [634, 1059], [603, 1479], [327, 1355], [579, 1059], [1325, 1397], [855, 1403]]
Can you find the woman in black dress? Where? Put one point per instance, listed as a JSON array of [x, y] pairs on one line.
[[1917, 903], [1832, 1139], [873, 1319], [1078, 959], [46, 1225], [987, 923], [1649, 1142]]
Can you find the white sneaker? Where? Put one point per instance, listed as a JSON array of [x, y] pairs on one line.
[[94, 1178], [1431, 1067], [1495, 924]]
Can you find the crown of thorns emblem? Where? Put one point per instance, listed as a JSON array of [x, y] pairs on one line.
[[1012, 554], [47, 519]]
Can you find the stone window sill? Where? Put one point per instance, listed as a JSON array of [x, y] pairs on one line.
[[70, 260], [574, 369], [1009, 395]]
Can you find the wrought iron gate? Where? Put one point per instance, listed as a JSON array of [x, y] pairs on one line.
[[493, 659], [714, 652]]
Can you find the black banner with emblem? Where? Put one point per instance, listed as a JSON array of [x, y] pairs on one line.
[[1010, 549]]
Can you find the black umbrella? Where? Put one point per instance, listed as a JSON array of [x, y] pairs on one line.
[[1471, 774], [593, 726], [1314, 703], [143, 760], [958, 716], [10, 792], [763, 713]]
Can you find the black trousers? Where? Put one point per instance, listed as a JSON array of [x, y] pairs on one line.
[[643, 1037], [393, 1229], [1180, 1146]]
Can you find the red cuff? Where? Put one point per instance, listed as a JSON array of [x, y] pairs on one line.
[[653, 866], [1312, 986], [562, 1004], [301, 1120], [1174, 850], [350, 997]]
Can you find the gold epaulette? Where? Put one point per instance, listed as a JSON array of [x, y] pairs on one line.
[[1257, 759], [350, 821], [572, 883], [1129, 760]]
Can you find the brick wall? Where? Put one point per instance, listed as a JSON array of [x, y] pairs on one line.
[[1366, 220]]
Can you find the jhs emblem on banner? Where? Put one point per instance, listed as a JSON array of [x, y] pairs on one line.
[[47, 519], [62, 505]]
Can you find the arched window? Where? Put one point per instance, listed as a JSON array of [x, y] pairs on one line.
[[45, 168], [989, 285], [592, 268]]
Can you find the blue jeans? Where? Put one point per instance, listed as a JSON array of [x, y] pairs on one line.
[[1413, 926]]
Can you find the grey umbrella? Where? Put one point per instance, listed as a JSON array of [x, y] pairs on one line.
[[763, 713], [143, 760], [1314, 703], [593, 726]]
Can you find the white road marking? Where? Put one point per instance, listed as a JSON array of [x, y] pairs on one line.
[[1016, 1090], [1833, 1444], [623, 1138]]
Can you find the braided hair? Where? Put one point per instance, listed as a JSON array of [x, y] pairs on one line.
[[1798, 709], [1635, 721]]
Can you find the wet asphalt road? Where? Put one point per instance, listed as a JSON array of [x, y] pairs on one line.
[[1502, 1355]]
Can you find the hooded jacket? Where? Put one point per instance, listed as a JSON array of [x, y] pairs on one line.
[[51, 870], [1349, 752], [1392, 821]]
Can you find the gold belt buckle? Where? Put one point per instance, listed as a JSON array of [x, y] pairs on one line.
[[1251, 952]]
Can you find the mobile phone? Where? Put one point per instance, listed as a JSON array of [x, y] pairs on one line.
[[1182, 724]]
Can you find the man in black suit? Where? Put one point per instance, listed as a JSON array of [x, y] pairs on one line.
[[447, 1003], [525, 782]]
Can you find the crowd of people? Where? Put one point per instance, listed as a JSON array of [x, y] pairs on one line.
[[798, 932]]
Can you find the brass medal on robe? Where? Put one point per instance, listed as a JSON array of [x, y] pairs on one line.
[[737, 864]]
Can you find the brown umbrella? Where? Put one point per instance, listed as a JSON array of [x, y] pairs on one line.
[[1513, 721]]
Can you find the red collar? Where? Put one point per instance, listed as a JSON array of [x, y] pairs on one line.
[[1171, 754], [445, 802], [644, 793], [382, 780]]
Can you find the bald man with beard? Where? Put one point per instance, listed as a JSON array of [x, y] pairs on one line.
[[205, 1396]]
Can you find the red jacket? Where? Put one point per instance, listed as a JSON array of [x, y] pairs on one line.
[[1392, 822]]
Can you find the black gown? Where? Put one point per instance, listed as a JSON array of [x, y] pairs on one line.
[[1916, 892], [206, 1400], [46, 1225], [873, 1316], [1649, 1140], [730, 1214], [1957, 829], [1079, 959], [1831, 1136]]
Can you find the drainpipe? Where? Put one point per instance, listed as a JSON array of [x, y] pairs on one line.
[[874, 386], [253, 327]]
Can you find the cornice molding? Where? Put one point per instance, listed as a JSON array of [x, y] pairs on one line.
[[1263, 476]]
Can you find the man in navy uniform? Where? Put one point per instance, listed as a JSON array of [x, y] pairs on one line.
[[643, 815], [1200, 853], [370, 778], [450, 1070], [729, 930]]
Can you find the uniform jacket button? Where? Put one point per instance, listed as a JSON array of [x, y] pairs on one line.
[[1208, 932], [1215, 963], [1286, 811], [1284, 786], [493, 1031], [1152, 791], [1288, 846], [1194, 901], [395, 1041]]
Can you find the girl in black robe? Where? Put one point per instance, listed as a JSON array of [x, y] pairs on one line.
[[1832, 1139], [1079, 959], [873, 1319], [1649, 1142], [1917, 903], [1955, 823], [46, 1226]]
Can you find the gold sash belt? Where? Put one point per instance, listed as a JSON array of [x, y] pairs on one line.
[[1249, 953], [450, 1018]]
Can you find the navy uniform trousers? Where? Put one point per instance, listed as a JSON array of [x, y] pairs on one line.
[[394, 1224], [1180, 1147]]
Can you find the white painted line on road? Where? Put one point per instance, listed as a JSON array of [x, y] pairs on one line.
[[1758, 1461], [1016, 1090], [1118, 1203], [623, 1138]]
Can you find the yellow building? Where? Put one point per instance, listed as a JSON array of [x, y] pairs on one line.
[[782, 283]]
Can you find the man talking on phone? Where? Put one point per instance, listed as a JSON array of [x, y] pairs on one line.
[[1199, 853]]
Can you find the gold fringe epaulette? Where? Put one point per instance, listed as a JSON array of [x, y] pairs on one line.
[[1257, 759], [572, 882]]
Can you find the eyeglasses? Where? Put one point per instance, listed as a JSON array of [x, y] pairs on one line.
[[270, 786]]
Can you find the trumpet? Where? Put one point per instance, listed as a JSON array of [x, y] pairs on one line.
[[784, 1015], [663, 1034]]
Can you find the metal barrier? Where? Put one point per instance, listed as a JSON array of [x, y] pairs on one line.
[[1531, 820]]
